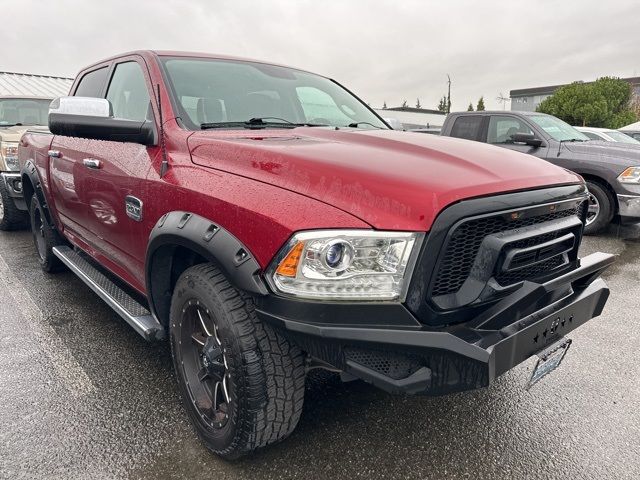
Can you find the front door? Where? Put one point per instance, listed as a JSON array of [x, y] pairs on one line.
[[113, 181], [500, 129]]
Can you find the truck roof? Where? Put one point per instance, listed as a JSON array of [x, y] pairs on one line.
[[176, 53], [498, 112]]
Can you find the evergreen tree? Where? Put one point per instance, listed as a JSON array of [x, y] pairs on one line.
[[442, 106], [418, 103], [470, 109], [480, 106]]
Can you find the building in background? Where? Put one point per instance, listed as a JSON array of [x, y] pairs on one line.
[[413, 118], [28, 85], [528, 99]]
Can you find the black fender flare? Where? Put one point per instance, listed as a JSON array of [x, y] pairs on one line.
[[30, 172], [207, 239]]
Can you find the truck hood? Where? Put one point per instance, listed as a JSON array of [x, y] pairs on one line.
[[13, 134], [389, 179], [621, 154]]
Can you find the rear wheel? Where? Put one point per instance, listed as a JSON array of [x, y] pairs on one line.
[[44, 238], [10, 217], [601, 208], [241, 382]]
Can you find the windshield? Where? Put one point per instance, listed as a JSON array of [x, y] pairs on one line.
[[557, 129], [225, 93], [23, 111], [622, 137]]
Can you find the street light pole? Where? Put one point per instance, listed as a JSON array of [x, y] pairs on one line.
[[449, 94]]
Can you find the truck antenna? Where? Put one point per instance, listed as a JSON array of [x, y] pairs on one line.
[[165, 162]]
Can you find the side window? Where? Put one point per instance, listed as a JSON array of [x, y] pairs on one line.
[[92, 83], [467, 127], [318, 105], [502, 127], [592, 136], [128, 92]]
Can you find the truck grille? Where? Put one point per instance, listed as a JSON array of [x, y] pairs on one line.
[[466, 238]]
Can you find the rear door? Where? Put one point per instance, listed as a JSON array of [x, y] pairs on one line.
[[500, 128], [66, 168], [114, 182]]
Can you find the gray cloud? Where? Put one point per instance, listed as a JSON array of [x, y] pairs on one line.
[[383, 50]]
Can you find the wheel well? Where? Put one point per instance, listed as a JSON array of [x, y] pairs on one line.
[[27, 189], [603, 183], [167, 264]]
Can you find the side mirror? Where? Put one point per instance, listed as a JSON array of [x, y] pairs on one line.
[[526, 138], [87, 117]]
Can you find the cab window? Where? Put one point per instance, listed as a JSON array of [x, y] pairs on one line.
[[128, 93], [468, 127], [92, 83], [502, 127]]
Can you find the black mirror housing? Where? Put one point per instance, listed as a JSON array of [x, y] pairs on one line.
[[526, 138], [92, 118]]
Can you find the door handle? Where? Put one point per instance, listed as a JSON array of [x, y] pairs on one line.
[[92, 163]]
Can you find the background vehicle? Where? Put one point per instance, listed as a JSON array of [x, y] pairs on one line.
[[16, 115], [632, 134], [272, 223], [612, 171], [632, 130], [607, 135]]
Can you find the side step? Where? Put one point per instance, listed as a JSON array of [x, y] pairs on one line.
[[127, 307]]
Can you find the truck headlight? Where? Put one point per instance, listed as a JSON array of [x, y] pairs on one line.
[[9, 152], [346, 265], [630, 175]]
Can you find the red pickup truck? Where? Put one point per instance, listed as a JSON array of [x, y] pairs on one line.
[[268, 222]]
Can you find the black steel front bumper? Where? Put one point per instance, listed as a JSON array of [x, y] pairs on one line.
[[385, 345]]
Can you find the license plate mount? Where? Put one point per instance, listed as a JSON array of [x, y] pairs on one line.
[[548, 360]]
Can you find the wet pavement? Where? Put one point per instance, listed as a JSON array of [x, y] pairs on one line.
[[83, 396]]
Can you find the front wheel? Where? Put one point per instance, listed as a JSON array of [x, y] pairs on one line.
[[600, 210], [10, 217], [241, 382]]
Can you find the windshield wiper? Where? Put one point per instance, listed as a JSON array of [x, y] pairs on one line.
[[567, 140], [259, 123], [355, 125]]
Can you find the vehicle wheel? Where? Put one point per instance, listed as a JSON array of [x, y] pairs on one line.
[[10, 217], [241, 382], [44, 238], [601, 206]]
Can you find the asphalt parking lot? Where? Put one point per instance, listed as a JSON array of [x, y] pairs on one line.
[[83, 396]]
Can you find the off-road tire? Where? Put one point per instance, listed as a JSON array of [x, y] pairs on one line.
[[44, 238], [607, 208], [10, 217], [267, 373]]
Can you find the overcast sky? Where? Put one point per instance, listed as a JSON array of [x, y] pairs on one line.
[[382, 50]]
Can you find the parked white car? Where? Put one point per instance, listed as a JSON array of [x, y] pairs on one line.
[[607, 135]]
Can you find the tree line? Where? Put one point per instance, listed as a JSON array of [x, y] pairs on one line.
[[608, 102]]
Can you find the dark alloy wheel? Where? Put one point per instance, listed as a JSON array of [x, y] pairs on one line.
[[241, 382], [204, 365]]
